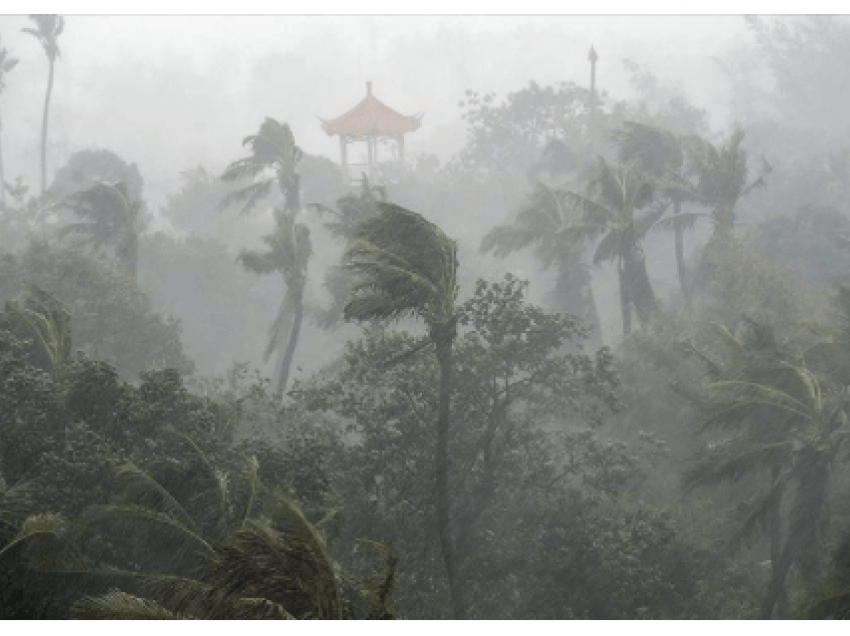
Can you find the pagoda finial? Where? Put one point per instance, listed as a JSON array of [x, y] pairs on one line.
[[369, 88]]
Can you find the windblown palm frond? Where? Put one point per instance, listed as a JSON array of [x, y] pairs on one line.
[[786, 422], [117, 605], [403, 265], [37, 526], [110, 218], [47, 320], [273, 160], [47, 30]]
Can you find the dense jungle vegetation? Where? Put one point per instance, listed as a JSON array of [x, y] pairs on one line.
[[437, 418]]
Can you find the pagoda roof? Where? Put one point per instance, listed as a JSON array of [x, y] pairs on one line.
[[370, 117]]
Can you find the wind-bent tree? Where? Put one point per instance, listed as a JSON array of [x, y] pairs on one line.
[[404, 266], [545, 222], [39, 316], [273, 160], [780, 419], [288, 251], [342, 223], [609, 209], [7, 63], [722, 175], [111, 217], [47, 30], [661, 154]]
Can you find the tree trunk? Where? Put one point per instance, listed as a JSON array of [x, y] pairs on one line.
[[680, 255], [781, 600], [625, 301], [44, 128], [292, 342], [776, 589], [635, 279], [443, 335], [575, 295]]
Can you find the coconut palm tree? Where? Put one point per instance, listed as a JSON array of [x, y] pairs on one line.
[[661, 154], [779, 418], [609, 210], [47, 30], [273, 160], [288, 251], [111, 217], [406, 266], [342, 221], [545, 222], [722, 180], [7, 63], [230, 548]]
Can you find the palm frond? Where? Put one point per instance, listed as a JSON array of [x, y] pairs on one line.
[[731, 460], [503, 240], [117, 605], [401, 263], [681, 221], [257, 262], [129, 517], [40, 525], [139, 487], [249, 196]]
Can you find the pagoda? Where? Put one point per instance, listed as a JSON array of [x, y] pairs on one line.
[[371, 121]]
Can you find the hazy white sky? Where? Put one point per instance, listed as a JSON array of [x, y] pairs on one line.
[[172, 92]]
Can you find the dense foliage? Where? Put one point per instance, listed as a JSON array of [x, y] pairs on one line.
[[624, 426]]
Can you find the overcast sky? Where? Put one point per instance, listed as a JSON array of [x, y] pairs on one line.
[[173, 92]]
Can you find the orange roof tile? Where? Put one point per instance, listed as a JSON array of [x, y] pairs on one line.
[[371, 116]]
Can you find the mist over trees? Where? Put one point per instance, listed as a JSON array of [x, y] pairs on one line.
[[574, 355]]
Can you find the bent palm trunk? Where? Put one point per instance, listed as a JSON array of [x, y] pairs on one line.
[[292, 342]]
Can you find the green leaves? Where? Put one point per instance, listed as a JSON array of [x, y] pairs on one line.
[[118, 605], [403, 265]]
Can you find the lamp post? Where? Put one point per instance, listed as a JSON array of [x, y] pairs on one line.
[[592, 57]]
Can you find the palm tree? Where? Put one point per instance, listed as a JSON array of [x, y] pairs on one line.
[[254, 554], [545, 222], [777, 417], [111, 218], [273, 160], [404, 266], [722, 181], [38, 315], [661, 154], [609, 208], [342, 223], [47, 30], [287, 252], [7, 63]]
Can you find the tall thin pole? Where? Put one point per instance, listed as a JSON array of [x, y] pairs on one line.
[[592, 57]]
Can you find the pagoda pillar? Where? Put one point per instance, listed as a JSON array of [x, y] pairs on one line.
[[343, 151]]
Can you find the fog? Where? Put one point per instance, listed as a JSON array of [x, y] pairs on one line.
[[213, 75], [554, 336]]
